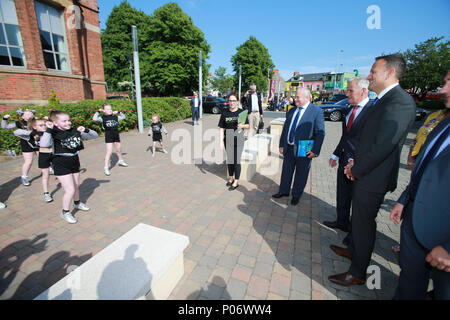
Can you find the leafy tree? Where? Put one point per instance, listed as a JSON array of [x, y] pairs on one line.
[[426, 66], [174, 49], [117, 44], [255, 60], [222, 81]]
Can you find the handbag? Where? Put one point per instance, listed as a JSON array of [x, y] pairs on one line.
[[261, 125]]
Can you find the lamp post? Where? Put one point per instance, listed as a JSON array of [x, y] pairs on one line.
[[335, 76], [131, 76], [240, 74], [200, 80], [137, 77]]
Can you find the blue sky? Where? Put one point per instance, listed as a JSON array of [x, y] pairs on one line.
[[306, 36]]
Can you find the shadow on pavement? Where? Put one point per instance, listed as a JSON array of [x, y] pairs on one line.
[[214, 291]]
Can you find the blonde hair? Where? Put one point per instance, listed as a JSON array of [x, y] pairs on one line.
[[157, 116]]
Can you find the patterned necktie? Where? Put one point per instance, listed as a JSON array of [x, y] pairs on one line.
[[352, 117], [294, 126]]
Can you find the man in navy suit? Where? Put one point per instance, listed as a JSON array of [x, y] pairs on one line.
[[374, 170], [305, 122], [195, 107], [425, 209], [359, 102]]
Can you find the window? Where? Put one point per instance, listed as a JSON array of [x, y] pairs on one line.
[[11, 46], [53, 39], [318, 87]]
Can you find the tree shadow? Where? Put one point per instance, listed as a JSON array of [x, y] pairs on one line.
[[56, 267], [13, 255]]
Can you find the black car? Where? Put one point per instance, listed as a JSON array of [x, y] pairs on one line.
[[420, 114], [117, 97], [335, 111], [214, 104], [336, 98]]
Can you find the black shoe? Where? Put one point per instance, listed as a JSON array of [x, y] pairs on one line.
[[335, 225], [229, 183], [295, 201], [231, 188], [279, 195]]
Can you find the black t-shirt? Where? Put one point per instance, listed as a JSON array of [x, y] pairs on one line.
[[110, 123], [229, 119], [156, 127], [66, 141]]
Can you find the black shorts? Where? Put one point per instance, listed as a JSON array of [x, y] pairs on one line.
[[65, 165], [157, 137], [44, 160], [26, 147], [112, 136]]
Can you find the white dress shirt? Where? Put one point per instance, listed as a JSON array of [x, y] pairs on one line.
[[255, 106], [302, 111]]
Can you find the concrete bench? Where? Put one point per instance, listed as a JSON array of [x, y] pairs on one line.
[[144, 262], [256, 150], [276, 127]]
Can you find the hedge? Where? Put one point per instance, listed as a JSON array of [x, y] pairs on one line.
[[81, 113]]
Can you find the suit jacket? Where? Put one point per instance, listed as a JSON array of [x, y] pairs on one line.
[[310, 127], [431, 207], [381, 138], [193, 102], [249, 103], [346, 147]]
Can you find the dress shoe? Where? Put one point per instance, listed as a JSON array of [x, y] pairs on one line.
[[231, 188], [335, 225], [229, 183], [346, 279], [341, 252], [279, 195], [295, 201], [346, 240]]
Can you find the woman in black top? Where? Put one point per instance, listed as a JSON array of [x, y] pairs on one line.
[[232, 139]]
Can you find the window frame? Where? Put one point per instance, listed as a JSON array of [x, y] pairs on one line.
[[8, 46], [66, 44]]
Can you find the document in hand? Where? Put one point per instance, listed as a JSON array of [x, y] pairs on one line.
[[304, 146], [242, 117]]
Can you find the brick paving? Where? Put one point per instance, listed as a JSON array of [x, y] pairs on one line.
[[243, 244]]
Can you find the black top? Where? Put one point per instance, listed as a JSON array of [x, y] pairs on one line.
[[229, 119], [66, 141], [110, 123], [156, 127]]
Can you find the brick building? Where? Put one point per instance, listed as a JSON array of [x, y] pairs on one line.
[[50, 44]]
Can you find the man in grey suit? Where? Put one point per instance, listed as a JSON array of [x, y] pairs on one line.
[[376, 163], [425, 209]]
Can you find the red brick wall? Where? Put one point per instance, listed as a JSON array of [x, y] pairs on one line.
[[85, 53]]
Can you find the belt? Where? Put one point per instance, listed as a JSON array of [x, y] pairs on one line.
[[255, 111]]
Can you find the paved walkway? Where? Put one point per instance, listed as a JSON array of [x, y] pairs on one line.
[[243, 244]]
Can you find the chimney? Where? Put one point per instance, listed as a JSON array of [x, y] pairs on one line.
[[296, 73]]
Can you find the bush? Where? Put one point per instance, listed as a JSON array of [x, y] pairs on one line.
[[81, 113]]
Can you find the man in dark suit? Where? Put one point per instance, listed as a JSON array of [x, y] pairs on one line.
[[254, 107], [425, 209], [304, 122], [376, 163], [358, 99], [195, 107]]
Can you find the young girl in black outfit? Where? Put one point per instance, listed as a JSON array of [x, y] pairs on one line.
[[28, 151], [232, 139], [67, 143], [156, 129], [110, 123]]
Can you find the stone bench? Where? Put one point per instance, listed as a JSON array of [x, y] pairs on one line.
[[276, 127], [145, 262], [256, 151]]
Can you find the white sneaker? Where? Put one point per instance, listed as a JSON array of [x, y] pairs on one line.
[[51, 171], [164, 150], [153, 154], [81, 206], [48, 197], [68, 217], [122, 163], [2, 205], [24, 180], [106, 171]]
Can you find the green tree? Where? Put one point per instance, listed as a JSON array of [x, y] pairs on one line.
[[426, 66], [255, 60], [117, 44], [174, 50], [222, 81]]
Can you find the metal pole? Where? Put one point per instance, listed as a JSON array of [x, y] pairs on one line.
[[131, 77], [200, 80], [137, 78], [240, 73]]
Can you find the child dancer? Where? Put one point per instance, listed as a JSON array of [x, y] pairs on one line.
[[110, 122], [27, 150], [67, 143], [156, 128], [45, 154]]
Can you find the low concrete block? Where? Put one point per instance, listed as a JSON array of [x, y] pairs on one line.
[[276, 126], [145, 261]]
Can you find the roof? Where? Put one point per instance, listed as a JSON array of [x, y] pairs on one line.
[[308, 77]]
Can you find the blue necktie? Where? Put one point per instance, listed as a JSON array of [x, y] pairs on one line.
[[375, 101], [417, 175], [294, 126]]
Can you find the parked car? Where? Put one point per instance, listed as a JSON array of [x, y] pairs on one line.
[[214, 104], [420, 114], [117, 97], [335, 111], [336, 98]]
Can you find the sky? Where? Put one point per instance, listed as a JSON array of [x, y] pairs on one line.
[[309, 36]]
